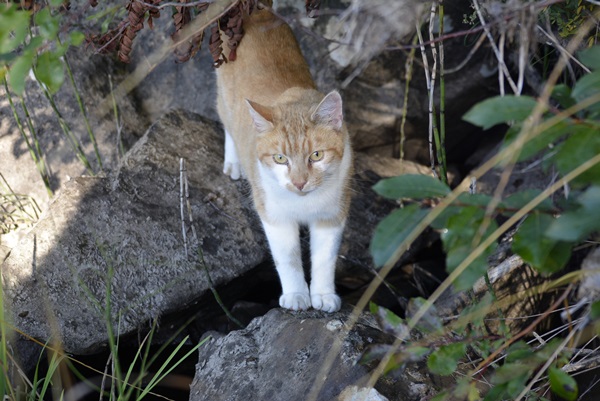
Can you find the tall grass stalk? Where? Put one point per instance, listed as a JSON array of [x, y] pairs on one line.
[[441, 150], [119, 124], [37, 157], [71, 138], [408, 67], [83, 112]]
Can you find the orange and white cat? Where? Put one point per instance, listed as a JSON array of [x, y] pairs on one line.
[[291, 143]]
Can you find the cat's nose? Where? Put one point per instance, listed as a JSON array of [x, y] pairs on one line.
[[299, 184]]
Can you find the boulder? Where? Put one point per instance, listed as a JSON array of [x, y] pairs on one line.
[[279, 357], [121, 236]]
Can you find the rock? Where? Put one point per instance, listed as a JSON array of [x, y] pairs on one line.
[[279, 357], [125, 231]]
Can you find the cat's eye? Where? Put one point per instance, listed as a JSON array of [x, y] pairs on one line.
[[316, 156], [280, 159]]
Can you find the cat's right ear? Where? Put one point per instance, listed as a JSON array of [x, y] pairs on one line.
[[262, 116]]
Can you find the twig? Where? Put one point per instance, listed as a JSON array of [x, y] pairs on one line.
[[428, 84], [498, 52], [214, 291], [174, 4], [181, 185]]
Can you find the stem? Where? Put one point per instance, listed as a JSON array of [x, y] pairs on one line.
[[74, 142], [441, 150], [37, 159], [83, 112], [407, 78]]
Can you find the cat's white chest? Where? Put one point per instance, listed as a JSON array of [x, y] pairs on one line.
[[283, 205]]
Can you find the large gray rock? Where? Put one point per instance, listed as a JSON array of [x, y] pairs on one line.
[[122, 236], [279, 357]]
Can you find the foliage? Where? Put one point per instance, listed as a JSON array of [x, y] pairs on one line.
[[565, 139], [32, 42]]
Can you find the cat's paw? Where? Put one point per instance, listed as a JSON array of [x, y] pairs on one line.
[[326, 302], [295, 301], [232, 169]]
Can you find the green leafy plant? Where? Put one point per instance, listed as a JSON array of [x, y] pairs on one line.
[[566, 139]]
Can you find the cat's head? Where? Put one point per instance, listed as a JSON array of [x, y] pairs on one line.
[[300, 144]]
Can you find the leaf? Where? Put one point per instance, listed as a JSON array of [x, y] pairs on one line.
[[577, 149], [430, 321], [595, 310], [15, 26], [562, 94], [501, 109], [543, 253], [518, 200], [18, 72], [49, 71], [47, 24], [587, 86], [577, 224], [393, 230], [445, 360], [562, 384], [543, 141], [590, 57], [413, 186], [389, 321], [76, 37], [461, 237], [463, 200]]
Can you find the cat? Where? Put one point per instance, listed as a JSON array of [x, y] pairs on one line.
[[291, 143]]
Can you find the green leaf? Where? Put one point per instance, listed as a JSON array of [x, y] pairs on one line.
[[56, 3], [590, 57], [430, 321], [445, 360], [49, 71], [543, 141], [587, 86], [543, 253], [463, 200], [562, 94], [562, 384], [18, 73], [413, 186], [595, 311], [393, 230], [576, 225], [577, 149], [47, 24], [14, 27], [460, 238], [498, 110], [518, 200], [389, 321], [76, 38]]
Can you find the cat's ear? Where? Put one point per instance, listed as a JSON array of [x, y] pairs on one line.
[[329, 112], [262, 116]]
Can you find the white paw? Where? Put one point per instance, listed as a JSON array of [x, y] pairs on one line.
[[232, 169], [326, 302], [295, 301]]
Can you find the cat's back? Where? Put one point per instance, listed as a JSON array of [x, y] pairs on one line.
[[268, 62]]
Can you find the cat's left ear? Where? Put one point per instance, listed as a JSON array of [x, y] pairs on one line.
[[262, 116], [329, 112]]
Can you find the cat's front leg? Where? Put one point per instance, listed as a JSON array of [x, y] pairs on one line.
[[325, 239], [284, 241], [231, 165]]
